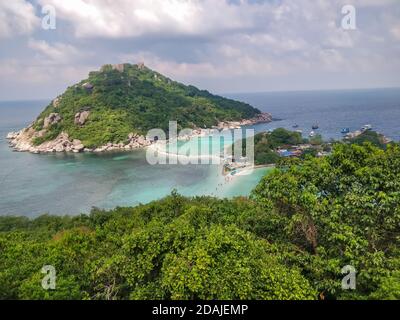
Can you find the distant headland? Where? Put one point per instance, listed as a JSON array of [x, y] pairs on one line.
[[114, 108]]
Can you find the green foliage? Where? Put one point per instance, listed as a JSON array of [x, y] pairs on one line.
[[341, 210], [176, 248], [227, 263], [371, 137], [281, 137], [316, 140], [51, 134], [266, 143]]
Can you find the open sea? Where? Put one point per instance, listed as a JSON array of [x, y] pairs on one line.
[[72, 184]]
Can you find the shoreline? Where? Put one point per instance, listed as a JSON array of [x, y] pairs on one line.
[[240, 171], [22, 140]]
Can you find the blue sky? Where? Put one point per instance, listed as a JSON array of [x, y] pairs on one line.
[[222, 46]]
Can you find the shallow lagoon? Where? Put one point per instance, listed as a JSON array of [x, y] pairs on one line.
[[74, 183]]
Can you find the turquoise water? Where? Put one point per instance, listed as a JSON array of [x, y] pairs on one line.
[[72, 184]]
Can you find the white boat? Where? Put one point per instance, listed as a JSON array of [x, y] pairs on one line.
[[367, 127], [312, 134]]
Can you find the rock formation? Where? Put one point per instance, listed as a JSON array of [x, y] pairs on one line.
[[52, 119], [260, 118], [81, 117], [119, 67], [22, 141]]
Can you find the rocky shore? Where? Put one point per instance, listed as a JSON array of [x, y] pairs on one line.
[[23, 140], [261, 118]]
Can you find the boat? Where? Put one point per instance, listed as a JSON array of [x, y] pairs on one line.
[[312, 134], [367, 127], [345, 130], [295, 126], [315, 127]]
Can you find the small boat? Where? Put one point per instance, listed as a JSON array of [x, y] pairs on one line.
[[345, 130], [315, 127], [312, 134], [295, 126], [367, 127]]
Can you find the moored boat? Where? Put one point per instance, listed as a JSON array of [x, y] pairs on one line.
[[367, 127], [345, 130]]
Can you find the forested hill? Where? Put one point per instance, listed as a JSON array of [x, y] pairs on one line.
[[121, 99]]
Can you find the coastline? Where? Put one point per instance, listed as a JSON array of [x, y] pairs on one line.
[[246, 170], [23, 140]]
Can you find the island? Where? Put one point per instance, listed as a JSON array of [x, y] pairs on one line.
[[115, 107]]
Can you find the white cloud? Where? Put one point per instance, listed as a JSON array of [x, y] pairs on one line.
[[212, 43], [368, 3], [17, 17], [125, 18], [40, 73], [395, 30], [57, 53], [49, 65]]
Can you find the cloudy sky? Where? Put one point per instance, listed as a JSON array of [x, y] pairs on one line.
[[225, 46]]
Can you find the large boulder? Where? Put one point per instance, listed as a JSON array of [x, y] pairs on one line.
[[56, 102], [51, 119], [77, 146], [59, 148], [12, 135], [88, 86], [119, 67], [141, 140], [81, 117]]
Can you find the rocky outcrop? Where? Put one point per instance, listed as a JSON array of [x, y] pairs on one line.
[[12, 135], [22, 141], [134, 141], [119, 67], [56, 102], [88, 86], [261, 118], [51, 119], [81, 117], [77, 145]]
